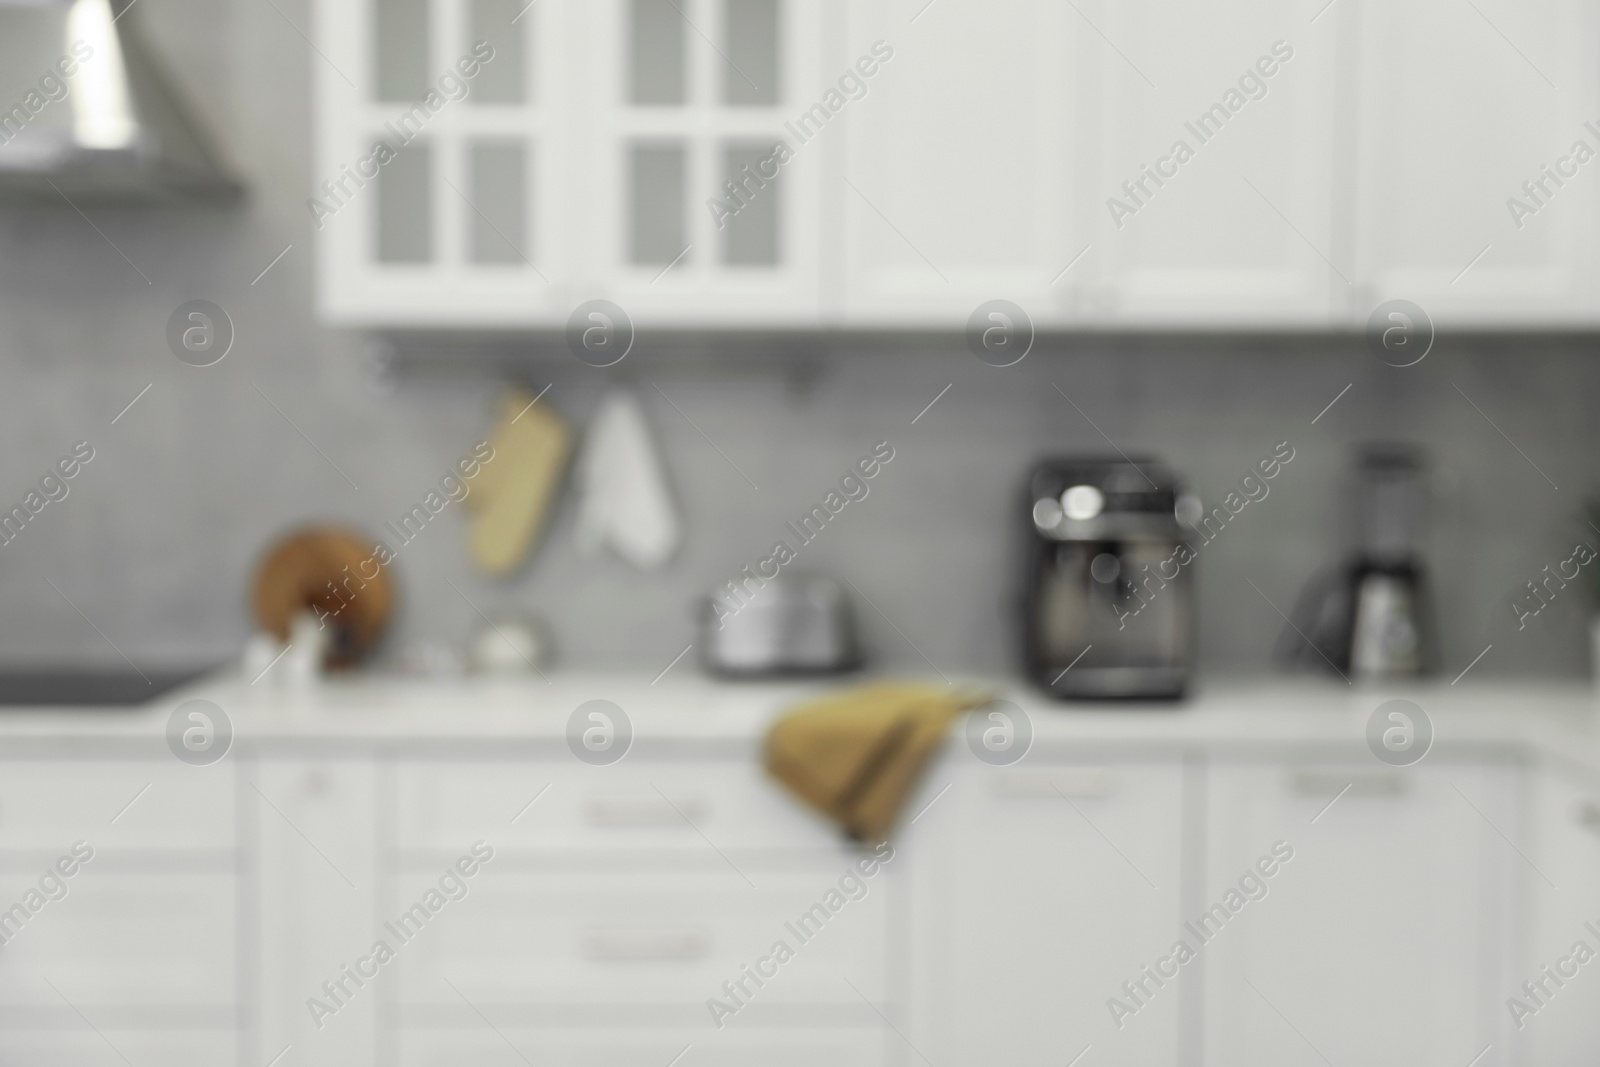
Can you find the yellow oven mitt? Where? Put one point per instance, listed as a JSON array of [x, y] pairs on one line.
[[514, 492], [855, 756]]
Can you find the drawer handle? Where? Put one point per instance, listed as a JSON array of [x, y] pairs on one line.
[[641, 811], [1079, 783], [615, 945], [1324, 784]]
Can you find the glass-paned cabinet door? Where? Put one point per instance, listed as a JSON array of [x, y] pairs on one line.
[[436, 197], [706, 206]]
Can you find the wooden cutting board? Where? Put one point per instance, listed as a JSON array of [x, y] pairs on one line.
[[325, 571]]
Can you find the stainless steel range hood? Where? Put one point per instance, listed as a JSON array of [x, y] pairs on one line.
[[86, 113]]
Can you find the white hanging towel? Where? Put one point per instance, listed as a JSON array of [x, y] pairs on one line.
[[624, 499]]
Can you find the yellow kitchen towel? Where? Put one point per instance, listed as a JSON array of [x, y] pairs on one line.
[[855, 756]]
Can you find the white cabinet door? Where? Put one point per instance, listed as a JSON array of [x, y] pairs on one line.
[[1563, 1029], [1375, 941], [1213, 187], [692, 214], [314, 821], [1039, 890], [120, 902], [462, 217], [959, 162], [1459, 106]]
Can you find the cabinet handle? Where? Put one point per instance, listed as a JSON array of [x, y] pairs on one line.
[[1076, 782], [1326, 784], [641, 811], [634, 945]]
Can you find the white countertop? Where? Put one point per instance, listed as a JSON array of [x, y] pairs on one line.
[[1515, 719]]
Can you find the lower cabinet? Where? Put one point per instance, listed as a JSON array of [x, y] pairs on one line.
[[515, 908], [1129, 904], [1386, 910], [1556, 1024], [314, 821], [141, 965], [1039, 890], [1209, 910], [123, 899]]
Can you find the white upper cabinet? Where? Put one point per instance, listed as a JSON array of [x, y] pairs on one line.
[[702, 207], [774, 163], [437, 186], [624, 150], [1213, 183], [1460, 105], [958, 180]]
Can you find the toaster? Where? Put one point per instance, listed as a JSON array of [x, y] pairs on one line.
[[794, 624]]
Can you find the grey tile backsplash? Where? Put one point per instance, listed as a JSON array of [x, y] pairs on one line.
[[158, 535]]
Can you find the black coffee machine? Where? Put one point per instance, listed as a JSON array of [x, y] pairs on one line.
[[1108, 602]]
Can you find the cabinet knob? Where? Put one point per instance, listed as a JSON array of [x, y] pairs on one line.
[[1076, 782], [641, 811], [1325, 784], [615, 944]]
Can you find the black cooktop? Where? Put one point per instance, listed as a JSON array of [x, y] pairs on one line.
[[89, 687]]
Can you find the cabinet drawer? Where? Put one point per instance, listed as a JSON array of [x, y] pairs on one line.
[[122, 940], [640, 804], [645, 938], [618, 1047], [76, 1045], [48, 804]]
